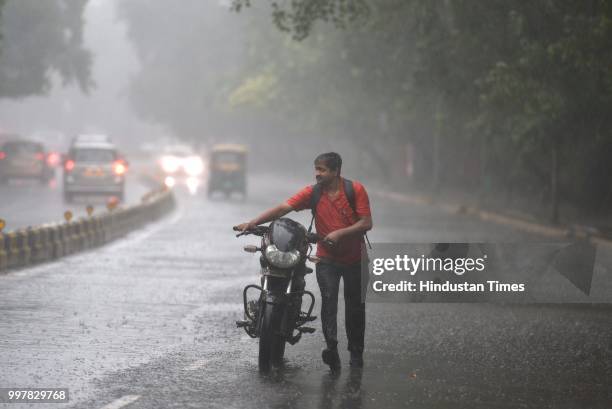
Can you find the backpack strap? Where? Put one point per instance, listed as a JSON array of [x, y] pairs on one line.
[[349, 191], [314, 200]]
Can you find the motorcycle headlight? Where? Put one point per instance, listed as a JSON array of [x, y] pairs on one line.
[[281, 259]]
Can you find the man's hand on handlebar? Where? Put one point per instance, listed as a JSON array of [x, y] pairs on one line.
[[245, 226], [250, 228]]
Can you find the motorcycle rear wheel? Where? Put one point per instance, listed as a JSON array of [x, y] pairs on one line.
[[271, 343]]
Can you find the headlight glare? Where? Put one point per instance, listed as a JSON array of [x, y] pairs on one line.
[[193, 166], [170, 164]]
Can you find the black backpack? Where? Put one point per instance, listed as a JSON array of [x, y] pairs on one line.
[[349, 191]]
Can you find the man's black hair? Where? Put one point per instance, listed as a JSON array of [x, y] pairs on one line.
[[331, 159]]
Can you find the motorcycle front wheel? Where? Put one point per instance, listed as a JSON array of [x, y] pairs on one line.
[[271, 343]]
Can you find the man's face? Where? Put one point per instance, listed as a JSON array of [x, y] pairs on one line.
[[323, 174]]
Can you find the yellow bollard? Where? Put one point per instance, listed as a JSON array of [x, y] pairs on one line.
[[112, 203]]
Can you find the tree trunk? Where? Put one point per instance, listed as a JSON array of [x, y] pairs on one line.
[[554, 184], [483, 183], [435, 177]]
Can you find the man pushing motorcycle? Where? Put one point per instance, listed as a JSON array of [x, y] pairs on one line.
[[341, 213]]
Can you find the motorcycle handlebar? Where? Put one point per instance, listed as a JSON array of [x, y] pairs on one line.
[[312, 238], [258, 231]]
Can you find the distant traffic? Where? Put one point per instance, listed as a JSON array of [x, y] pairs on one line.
[[91, 165]]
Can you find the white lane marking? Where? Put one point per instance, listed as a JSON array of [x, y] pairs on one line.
[[121, 402], [200, 363]]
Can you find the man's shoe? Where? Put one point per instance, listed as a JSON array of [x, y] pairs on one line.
[[356, 359], [331, 358]]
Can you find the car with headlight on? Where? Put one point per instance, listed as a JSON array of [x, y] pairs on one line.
[[24, 159], [180, 165], [94, 168]]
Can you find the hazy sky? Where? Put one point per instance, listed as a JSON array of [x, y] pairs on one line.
[[106, 109]]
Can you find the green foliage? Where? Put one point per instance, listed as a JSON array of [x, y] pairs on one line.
[[517, 78], [490, 88], [41, 39], [300, 16], [554, 92], [258, 91], [2, 3]]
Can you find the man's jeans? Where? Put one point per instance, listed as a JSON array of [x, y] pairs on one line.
[[328, 277]]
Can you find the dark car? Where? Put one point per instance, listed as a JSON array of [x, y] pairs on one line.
[[24, 159]]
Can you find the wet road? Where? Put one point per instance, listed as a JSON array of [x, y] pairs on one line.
[[148, 322], [28, 203]]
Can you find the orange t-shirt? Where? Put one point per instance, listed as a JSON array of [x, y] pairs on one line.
[[335, 214]]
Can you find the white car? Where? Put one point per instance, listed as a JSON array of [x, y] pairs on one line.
[[180, 165], [91, 138]]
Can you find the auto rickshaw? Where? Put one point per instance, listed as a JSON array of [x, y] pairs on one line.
[[227, 169]]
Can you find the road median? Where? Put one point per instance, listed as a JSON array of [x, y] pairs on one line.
[[47, 242]]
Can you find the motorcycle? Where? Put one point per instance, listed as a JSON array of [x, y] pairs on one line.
[[276, 316]]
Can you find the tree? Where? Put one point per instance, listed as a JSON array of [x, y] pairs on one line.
[[523, 87], [300, 16], [42, 40], [188, 58]]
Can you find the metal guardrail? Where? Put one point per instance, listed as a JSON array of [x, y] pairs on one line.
[[39, 244]]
